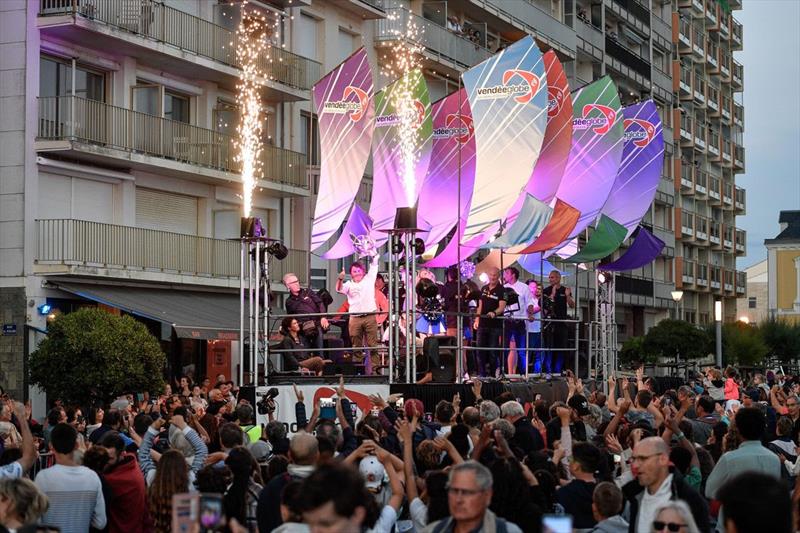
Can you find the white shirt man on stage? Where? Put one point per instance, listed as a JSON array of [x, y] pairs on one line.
[[515, 326], [360, 292]]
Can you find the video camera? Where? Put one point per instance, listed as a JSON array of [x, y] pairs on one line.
[[266, 405]]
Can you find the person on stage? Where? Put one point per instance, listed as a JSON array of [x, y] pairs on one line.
[[302, 301], [515, 323], [489, 326], [555, 300], [360, 293], [533, 324]]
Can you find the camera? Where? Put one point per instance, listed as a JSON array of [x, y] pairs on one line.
[[266, 405]]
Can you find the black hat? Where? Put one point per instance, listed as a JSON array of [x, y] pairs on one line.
[[580, 404]]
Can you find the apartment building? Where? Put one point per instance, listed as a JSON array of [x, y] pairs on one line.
[[119, 185]]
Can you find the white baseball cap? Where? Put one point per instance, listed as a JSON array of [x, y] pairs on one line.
[[372, 470]]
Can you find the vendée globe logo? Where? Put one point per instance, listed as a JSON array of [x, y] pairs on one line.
[[393, 119], [601, 124], [555, 100], [461, 133], [355, 109], [640, 131], [522, 92]]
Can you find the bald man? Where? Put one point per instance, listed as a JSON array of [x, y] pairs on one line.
[[556, 299], [656, 484], [489, 326], [303, 456]]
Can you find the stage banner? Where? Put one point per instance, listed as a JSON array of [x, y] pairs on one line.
[[344, 106], [644, 249], [452, 162], [357, 393], [508, 97], [641, 167], [400, 155], [596, 151], [549, 169]]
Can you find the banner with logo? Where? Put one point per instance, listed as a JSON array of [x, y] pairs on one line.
[[396, 180], [596, 151], [448, 185], [641, 167], [508, 97], [343, 102]]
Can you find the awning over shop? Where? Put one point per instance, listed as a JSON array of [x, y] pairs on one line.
[[193, 314]]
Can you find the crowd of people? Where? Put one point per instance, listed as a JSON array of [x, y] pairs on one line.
[[718, 453]]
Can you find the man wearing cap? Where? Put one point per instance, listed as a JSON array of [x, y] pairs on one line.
[[579, 407]]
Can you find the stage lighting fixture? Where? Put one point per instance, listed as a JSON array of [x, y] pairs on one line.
[[419, 246], [604, 277], [44, 309], [251, 227], [405, 218], [483, 277], [277, 250]]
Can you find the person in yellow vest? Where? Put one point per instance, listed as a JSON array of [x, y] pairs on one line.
[[244, 414]]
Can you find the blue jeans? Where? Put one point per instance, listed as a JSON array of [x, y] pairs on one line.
[[534, 345], [516, 330]]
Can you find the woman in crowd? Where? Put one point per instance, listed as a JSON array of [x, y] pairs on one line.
[[292, 340], [21, 503]]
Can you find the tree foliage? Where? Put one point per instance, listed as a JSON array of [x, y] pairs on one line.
[[93, 355], [669, 338], [782, 339], [742, 344], [632, 351]]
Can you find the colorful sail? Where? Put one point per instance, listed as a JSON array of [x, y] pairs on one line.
[[508, 97], [596, 151], [530, 222], [563, 220], [448, 186], [397, 179], [644, 249], [358, 223], [343, 102], [640, 170], [606, 238]]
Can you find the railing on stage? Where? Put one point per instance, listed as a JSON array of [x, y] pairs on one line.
[[393, 355]]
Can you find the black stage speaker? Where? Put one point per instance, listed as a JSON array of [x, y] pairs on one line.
[[248, 392], [440, 351]]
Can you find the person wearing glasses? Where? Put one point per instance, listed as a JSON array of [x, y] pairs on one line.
[[657, 484], [469, 493], [302, 301], [675, 517]]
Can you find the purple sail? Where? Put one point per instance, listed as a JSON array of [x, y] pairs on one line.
[[343, 102]]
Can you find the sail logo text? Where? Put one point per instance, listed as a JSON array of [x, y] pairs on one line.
[[641, 131], [601, 124], [355, 109], [460, 133], [394, 119], [522, 92]]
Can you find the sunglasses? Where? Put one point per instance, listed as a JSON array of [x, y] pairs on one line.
[[671, 526]]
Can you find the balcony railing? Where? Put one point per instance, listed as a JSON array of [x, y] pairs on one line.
[[702, 275], [688, 273], [98, 123], [740, 199], [741, 239], [714, 231], [737, 31], [701, 182], [727, 153], [738, 73], [728, 276], [438, 40], [727, 237], [94, 244], [157, 21], [741, 282], [738, 114], [713, 187]]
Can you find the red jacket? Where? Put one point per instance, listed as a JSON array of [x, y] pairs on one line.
[[127, 509]]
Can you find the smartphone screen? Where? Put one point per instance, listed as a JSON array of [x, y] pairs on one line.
[[552, 523], [327, 408], [212, 516]]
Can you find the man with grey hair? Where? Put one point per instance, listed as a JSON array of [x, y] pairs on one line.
[[301, 301], [489, 412], [469, 493], [526, 437]]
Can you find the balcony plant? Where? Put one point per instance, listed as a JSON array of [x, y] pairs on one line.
[[92, 355]]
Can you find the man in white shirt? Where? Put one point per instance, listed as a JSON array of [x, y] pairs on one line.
[[360, 292], [534, 325], [74, 492], [515, 323]]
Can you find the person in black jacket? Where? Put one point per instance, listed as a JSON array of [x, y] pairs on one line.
[[526, 437], [306, 301], [657, 483]]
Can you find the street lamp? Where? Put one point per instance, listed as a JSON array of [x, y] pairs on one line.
[[718, 319], [677, 295]]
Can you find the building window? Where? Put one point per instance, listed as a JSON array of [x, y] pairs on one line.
[[309, 130], [226, 117], [176, 107], [157, 100], [55, 79], [752, 301]]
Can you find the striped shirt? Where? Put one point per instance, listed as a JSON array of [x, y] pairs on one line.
[[76, 498]]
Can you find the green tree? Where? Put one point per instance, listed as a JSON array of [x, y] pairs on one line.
[[93, 355], [632, 351], [669, 338], [742, 344], [782, 339]]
